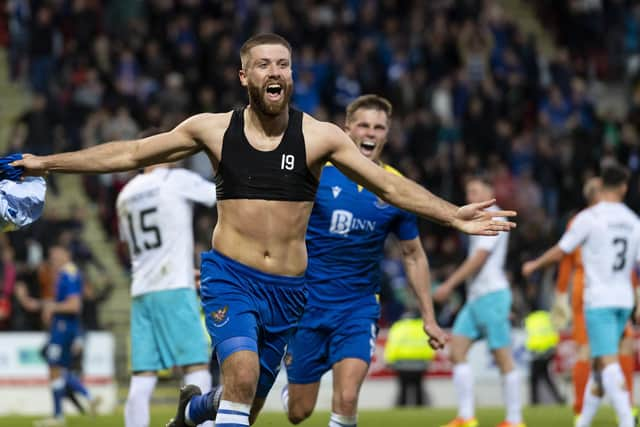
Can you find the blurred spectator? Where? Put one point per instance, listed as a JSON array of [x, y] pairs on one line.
[[394, 291], [408, 353], [556, 112], [88, 93], [475, 43], [542, 340], [44, 37], [46, 277], [582, 105], [173, 98], [347, 87], [306, 95], [92, 299], [19, 12], [38, 123], [529, 196], [26, 314], [547, 171]]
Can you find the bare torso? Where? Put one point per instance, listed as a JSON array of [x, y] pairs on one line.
[[267, 235]]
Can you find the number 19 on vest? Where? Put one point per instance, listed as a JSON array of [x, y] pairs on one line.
[[287, 162]]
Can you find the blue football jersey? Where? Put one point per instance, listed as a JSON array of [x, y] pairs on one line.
[[69, 283], [345, 240]]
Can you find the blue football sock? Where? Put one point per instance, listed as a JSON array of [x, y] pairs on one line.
[[204, 407], [76, 385]]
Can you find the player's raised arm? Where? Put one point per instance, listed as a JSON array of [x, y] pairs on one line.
[[573, 237], [115, 156], [408, 195], [551, 256]]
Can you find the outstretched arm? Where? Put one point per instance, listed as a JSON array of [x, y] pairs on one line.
[[408, 195], [551, 256], [116, 156], [416, 266], [573, 237]]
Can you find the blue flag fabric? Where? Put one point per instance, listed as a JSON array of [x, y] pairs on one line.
[[11, 172]]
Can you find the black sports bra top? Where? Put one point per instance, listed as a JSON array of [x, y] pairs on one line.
[[279, 174]]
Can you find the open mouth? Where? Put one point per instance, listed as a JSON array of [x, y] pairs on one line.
[[274, 91], [367, 147]]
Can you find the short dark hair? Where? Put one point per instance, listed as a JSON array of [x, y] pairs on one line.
[[369, 102], [614, 176], [260, 39]]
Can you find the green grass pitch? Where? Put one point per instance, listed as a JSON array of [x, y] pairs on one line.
[[541, 416]]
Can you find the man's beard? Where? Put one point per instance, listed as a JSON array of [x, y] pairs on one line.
[[257, 99]]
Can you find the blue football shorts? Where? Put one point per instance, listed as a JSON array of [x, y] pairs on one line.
[[247, 309], [326, 336], [62, 335]]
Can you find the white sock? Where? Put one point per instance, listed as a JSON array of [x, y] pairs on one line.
[[201, 378], [232, 414], [338, 420], [463, 382], [590, 404], [512, 400], [136, 409], [615, 387]]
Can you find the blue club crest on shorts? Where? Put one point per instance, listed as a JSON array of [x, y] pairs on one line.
[[220, 315]]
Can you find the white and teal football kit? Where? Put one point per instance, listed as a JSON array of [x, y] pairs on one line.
[[609, 234], [486, 312], [155, 213]]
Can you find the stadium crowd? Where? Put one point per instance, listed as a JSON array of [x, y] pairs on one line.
[[470, 89]]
